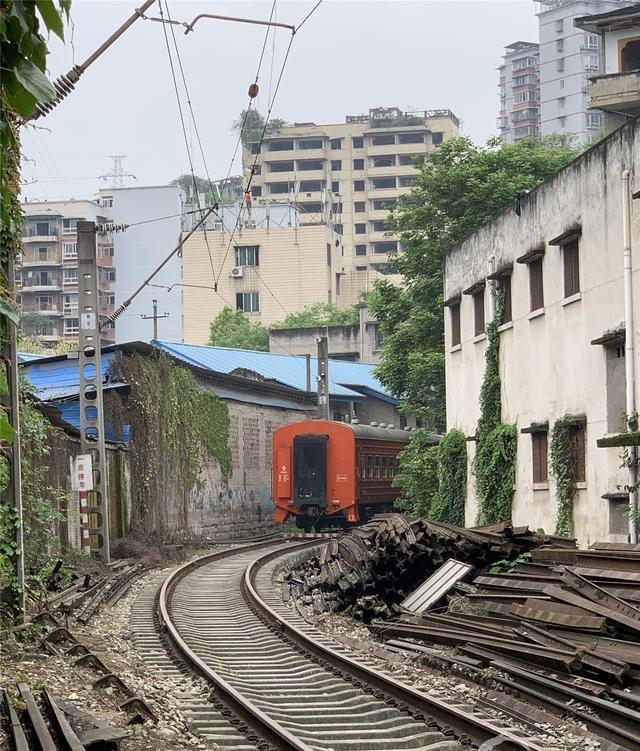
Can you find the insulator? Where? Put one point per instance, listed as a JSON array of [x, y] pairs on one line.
[[110, 229], [253, 90], [63, 85]]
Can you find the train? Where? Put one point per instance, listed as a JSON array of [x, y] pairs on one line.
[[334, 474]]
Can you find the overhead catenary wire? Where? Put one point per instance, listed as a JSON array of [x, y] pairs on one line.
[[184, 129]]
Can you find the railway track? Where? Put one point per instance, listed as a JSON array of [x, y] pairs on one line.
[[296, 689]]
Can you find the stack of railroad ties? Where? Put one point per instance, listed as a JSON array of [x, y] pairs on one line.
[[564, 628]]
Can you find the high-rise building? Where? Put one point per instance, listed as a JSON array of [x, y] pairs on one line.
[[348, 176], [568, 57], [544, 86], [519, 92], [47, 274]]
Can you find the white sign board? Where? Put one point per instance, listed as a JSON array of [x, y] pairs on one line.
[[81, 473], [87, 321]]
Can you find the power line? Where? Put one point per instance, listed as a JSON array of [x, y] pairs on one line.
[[184, 130]]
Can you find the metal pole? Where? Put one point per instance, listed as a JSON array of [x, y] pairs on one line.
[[91, 407], [12, 494], [323, 378], [632, 418], [308, 362]]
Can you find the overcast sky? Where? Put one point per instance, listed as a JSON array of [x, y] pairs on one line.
[[350, 56]]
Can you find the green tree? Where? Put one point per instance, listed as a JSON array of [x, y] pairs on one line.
[[231, 328], [186, 182], [250, 125], [318, 314], [459, 188]]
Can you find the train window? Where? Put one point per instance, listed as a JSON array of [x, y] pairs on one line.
[[377, 466], [370, 466], [385, 466], [363, 466]]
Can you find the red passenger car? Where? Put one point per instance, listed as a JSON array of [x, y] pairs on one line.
[[329, 473]]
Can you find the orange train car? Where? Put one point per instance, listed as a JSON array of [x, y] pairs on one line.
[[328, 473]]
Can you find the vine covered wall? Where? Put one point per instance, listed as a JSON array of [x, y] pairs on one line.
[[433, 479], [563, 463], [174, 427], [495, 460]]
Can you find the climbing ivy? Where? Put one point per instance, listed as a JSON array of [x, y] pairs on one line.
[[496, 443], [174, 427], [433, 479], [418, 476], [23, 85], [563, 463], [43, 502], [450, 503]]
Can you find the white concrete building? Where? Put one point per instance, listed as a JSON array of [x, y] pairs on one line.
[[137, 253], [559, 258], [519, 92], [568, 57], [616, 90]]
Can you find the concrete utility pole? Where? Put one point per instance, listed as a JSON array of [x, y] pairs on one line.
[[91, 408], [154, 318], [323, 378]]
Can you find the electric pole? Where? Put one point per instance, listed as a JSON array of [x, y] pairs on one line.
[[323, 378], [154, 318], [91, 407]]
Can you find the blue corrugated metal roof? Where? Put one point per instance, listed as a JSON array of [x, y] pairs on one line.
[[28, 356], [55, 379], [58, 378], [289, 370]]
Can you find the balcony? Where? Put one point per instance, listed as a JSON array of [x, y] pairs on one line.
[[40, 262], [71, 311], [54, 286], [616, 92]]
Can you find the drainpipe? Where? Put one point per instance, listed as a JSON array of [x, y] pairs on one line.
[[491, 284], [629, 353]]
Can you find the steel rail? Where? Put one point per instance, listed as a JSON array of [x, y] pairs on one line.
[[479, 730], [250, 714]]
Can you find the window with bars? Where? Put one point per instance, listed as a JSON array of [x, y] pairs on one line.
[[358, 186], [536, 288], [361, 250], [454, 313], [336, 143], [539, 457], [478, 312], [336, 165], [358, 164], [579, 452], [247, 255], [358, 142], [249, 302], [359, 206], [505, 287], [571, 259], [361, 229]]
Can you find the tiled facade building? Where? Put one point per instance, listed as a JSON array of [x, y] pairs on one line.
[[47, 275]]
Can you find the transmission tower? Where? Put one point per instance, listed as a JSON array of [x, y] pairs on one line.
[[117, 174]]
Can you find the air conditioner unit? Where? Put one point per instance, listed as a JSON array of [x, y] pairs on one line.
[[236, 272]]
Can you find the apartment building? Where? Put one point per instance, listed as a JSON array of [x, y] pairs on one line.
[[559, 261], [568, 58], [262, 261], [519, 85], [616, 90], [47, 275], [348, 176]]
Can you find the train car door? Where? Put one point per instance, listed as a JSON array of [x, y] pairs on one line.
[[310, 470]]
